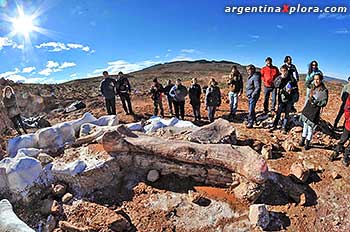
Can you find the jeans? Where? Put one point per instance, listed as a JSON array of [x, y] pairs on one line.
[[170, 104], [211, 113], [179, 109], [267, 92], [233, 97], [197, 112], [126, 101], [158, 104], [307, 131], [286, 109], [110, 106], [307, 95], [251, 114]]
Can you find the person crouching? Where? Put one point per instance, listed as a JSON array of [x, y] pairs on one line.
[[13, 112], [310, 116]]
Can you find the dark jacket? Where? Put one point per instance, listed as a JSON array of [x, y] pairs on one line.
[[123, 85], [285, 88], [312, 110], [167, 89], [292, 71], [236, 83], [253, 86], [108, 88], [195, 92], [178, 93], [11, 106], [156, 91], [213, 96]]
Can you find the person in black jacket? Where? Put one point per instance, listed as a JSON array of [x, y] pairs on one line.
[[294, 75], [124, 90], [167, 89], [195, 92], [108, 89], [212, 99], [284, 85], [156, 95]]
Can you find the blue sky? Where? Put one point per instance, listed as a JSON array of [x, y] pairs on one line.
[[84, 37]]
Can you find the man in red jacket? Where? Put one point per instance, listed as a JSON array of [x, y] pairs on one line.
[[268, 75], [344, 137]]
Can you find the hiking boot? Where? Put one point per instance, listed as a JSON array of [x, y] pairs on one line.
[[284, 131], [249, 126], [293, 110], [334, 156], [302, 142], [307, 145], [273, 129]]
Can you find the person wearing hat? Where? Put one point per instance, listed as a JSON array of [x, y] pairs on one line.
[[344, 96], [284, 84]]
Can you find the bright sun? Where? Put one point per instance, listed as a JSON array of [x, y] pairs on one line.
[[23, 25]]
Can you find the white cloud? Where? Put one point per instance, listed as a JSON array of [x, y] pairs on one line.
[[255, 36], [279, 26], [333, 16], [67, 65], [28, 69], [342, 31], [157, 57], [53, 66], [9, 73], [46, 72], [181, 58], [188, 50], [125, 67], [73, 75], [58, 46], [23, 79], [7, 42]]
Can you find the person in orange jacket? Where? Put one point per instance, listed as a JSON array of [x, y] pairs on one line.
[[268, 76], [344, 137]]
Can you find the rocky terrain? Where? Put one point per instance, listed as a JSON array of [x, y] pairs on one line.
[[315, 198]]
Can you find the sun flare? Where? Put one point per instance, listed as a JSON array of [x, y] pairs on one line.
[[23, 25]]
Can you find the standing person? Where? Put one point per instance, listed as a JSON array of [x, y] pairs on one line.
[[268, 75], [293, 73], [313, 70], [212, 99], [344, 96], [179, 92], [344, 137], [13, 112], [235, 84], [167, 89], [108, 89], [253, 89], [157, 92], [195, 92], [311, 113], [124, 90], [284, 85]]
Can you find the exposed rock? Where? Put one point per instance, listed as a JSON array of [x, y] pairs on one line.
[[258, 215], [59, 190], [66, 198], [220, 131], [46, 206], [44, 159], [267, 152], [153, 176], [289, 145], [299, 171], [50, 224], [335, 175], [9, 220]]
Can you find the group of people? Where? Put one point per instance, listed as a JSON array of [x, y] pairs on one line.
[[280, 84]]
